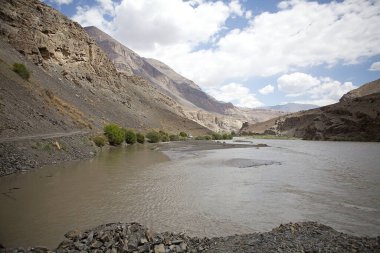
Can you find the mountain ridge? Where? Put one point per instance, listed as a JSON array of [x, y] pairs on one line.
[[292, 107], [196, 104], [355, 118]]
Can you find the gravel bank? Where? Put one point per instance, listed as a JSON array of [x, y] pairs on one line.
[[19, 156], [133, 237]]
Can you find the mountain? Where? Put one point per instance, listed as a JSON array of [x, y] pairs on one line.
[[356, 117], [364, 90], [292, 107], [158, 73], [195, 104], [75, 77]]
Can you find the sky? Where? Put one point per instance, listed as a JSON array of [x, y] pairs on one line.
[[252, 53]]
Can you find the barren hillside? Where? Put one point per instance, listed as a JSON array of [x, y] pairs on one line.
[[356, 117]]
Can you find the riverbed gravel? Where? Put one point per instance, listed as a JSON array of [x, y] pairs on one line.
[[133, 237]]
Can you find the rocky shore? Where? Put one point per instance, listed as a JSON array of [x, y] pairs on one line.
[[133, 237], [24, 155]]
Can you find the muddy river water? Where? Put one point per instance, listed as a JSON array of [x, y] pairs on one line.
[[201, 192]]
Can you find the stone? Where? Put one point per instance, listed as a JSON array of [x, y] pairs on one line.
[[183, 246], [105, 237], [150, 234], [97, 244], [144, 248], [143, 240], [178, 249], [159, 248], [90, 236], [73, 234], [79, 246]]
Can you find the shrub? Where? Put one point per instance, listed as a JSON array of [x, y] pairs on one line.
[[227, 136], [153, 137], [114, 134], [21, 70], [174, 137], [130, 136], [208, 137], [216, 136], [164, 136], [204, 137], [183, 134], [140, 138], [99, 140]]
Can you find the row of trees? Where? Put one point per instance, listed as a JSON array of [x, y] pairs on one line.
[[216, 136], [116, 135]]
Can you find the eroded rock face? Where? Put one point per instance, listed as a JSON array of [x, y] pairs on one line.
[[367, 89], [53, 41], [355, 119]]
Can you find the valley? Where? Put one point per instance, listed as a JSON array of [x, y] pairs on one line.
[[92, 133]]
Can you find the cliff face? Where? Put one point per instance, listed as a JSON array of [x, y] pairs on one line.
[[355, 118], [77, 75], [51, 40]]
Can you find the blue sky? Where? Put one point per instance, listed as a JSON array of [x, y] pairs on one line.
[[249, 52]]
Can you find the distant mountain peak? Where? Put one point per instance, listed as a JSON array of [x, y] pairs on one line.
[[292, 107]]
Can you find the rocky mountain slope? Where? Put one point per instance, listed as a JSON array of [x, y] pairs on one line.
[[159, 74], [83, 77], [73, 87], [195, 103], [364, 90], [356, 117]]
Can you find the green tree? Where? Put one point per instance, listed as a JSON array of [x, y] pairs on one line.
[[174, 137], [130, 136], [164, 136], [153, 137], [140, 138], [183, 134], [99, 140], [114, 134], [216, 136]]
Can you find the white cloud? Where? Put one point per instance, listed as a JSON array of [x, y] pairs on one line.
[[305, 34], [237, 94], [236, 8], [248, 14], [375, 66], [150, 26], [300, 34], [60, 2], [320, 91], [267, 90], [296, 84], [283, 4]]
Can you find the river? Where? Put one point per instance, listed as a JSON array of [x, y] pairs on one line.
[[201, 192]]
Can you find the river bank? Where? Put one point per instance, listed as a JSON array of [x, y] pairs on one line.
[[31, 152], [24, 154], [133, 237]]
